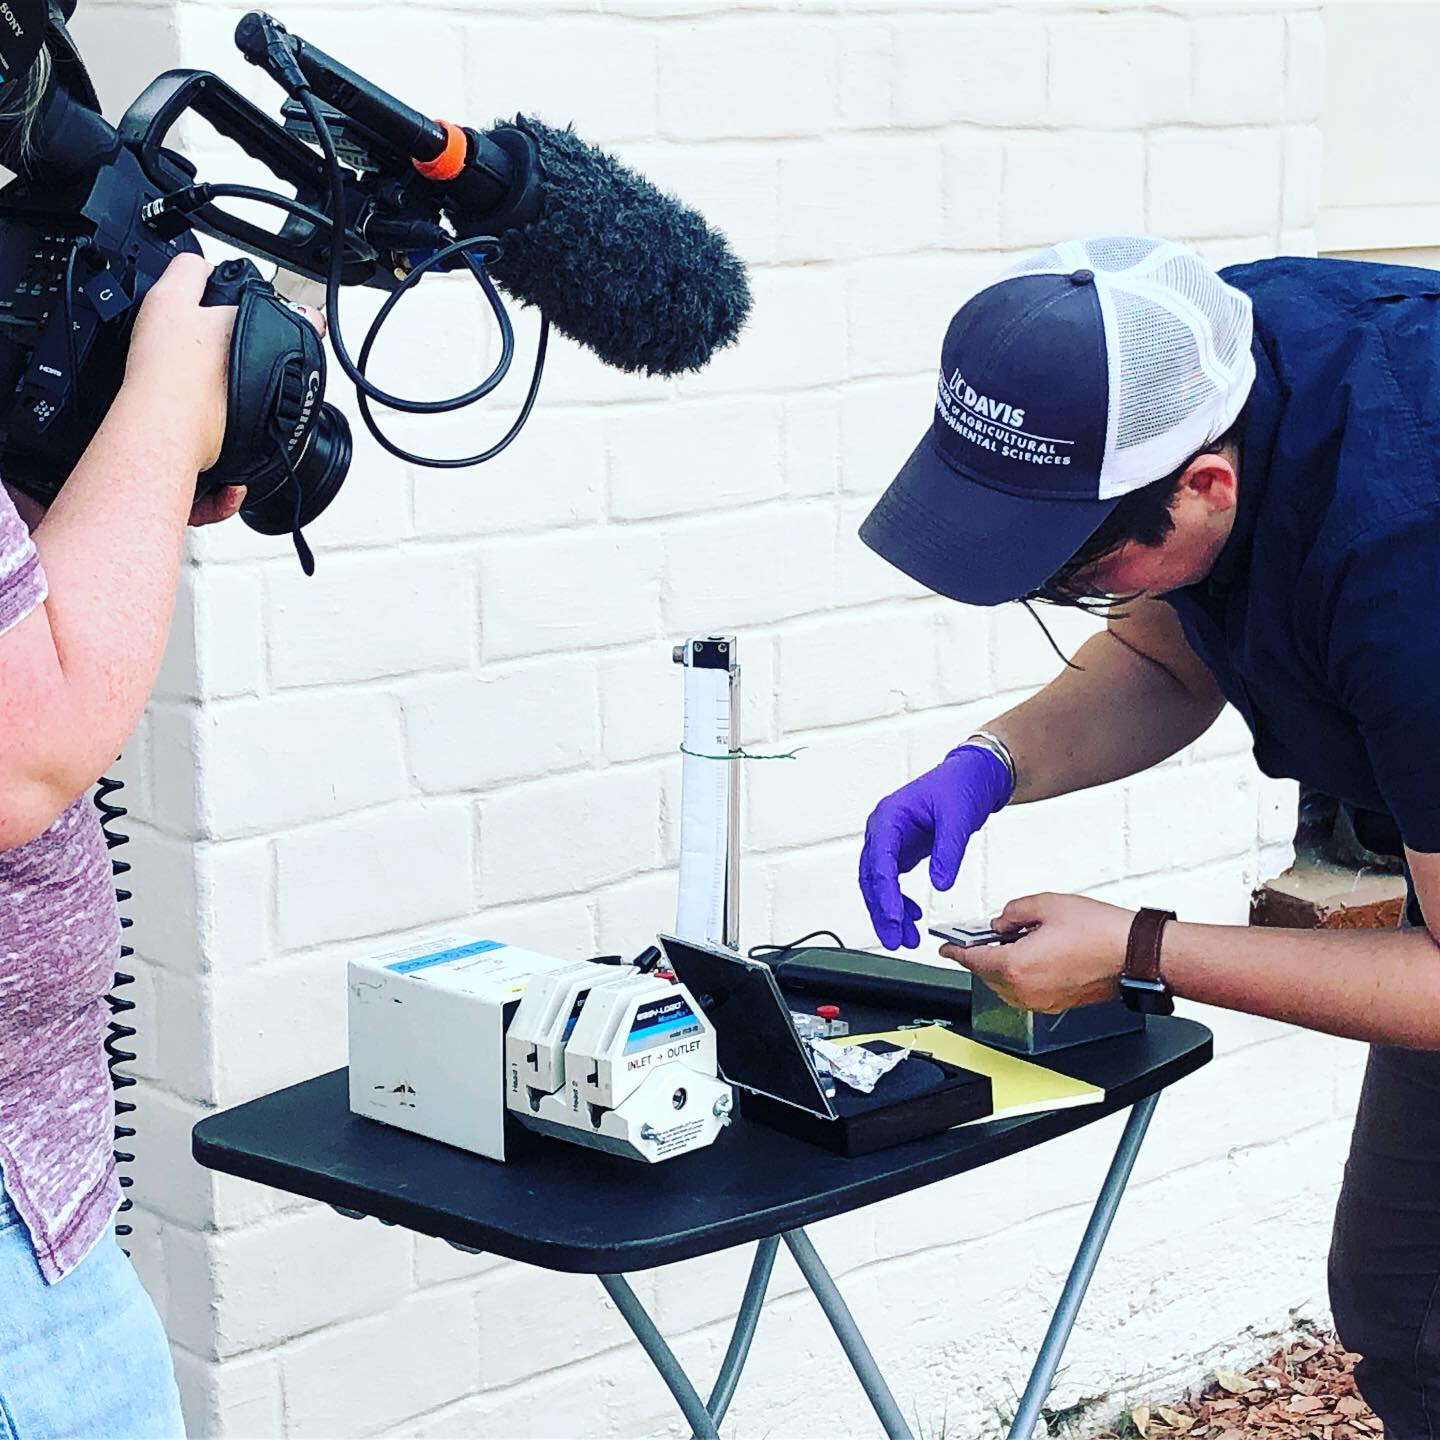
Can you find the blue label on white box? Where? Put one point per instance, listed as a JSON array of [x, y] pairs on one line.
[[442, 957]]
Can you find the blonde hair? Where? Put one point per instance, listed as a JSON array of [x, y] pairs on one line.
[[26, 106]]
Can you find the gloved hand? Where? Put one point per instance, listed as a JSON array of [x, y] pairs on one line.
[[934, 815]]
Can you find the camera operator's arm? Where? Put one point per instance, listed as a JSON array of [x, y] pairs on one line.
[[76, 671]]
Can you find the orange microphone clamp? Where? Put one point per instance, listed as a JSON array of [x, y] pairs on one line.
[[448, 164], [490, 182]]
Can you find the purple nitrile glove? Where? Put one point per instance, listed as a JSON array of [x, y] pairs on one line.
[[933, 815]]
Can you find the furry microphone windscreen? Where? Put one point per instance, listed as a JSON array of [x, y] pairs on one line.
[[619, 266]]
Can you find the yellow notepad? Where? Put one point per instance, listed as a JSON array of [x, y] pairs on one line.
[[1018, 1087]]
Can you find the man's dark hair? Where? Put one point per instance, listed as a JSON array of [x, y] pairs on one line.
[[1143, 517]]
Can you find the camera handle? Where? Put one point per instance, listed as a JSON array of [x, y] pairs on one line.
[[299, 244]]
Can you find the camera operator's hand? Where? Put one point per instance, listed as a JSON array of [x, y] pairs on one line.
[[178, 350], [217, 505]]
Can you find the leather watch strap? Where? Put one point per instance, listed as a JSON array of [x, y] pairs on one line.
[[1142, 950]]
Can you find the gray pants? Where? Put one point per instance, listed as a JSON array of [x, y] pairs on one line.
[[1385, 1250]]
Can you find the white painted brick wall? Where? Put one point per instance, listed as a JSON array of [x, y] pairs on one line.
[[472, 708], [1121, 71], [969, 69], [657, 469]]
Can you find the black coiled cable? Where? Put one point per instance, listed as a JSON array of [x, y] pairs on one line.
[[119, 1033]]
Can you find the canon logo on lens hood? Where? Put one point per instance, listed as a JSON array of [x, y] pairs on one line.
[[312, 390]]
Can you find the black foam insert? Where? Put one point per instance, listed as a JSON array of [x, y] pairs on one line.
[[909, 1080]]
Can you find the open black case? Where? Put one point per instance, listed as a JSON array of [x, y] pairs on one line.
[[873, 980], [762, 1055]]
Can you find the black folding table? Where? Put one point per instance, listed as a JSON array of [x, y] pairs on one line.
[[564, 1207]]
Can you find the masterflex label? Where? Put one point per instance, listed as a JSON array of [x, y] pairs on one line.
[[443, 957], [659, 1021]]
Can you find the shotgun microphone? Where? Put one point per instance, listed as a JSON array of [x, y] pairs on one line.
[[632, 274]]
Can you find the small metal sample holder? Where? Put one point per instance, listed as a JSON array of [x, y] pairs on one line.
[[1027, 1032]]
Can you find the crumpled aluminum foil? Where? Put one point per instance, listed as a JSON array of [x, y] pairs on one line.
[[852, 1065]]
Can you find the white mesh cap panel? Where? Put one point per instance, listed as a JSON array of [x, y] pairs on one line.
[[1043, 262], [1223, 307], [1119, 252], [1160, 378], [1179, 356]]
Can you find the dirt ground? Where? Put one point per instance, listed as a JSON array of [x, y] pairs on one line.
[[1305, 1391]]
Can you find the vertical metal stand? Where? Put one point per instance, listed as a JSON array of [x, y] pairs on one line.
[[732, 827], [716, 741]]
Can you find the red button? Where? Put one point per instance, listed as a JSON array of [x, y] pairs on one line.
[[828, 1012]]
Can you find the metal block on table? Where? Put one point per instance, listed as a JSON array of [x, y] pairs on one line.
[[1027, 1032]]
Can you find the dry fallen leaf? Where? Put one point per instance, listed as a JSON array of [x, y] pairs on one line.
[[1304, 1391]]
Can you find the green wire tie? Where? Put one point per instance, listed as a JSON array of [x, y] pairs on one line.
[[741, 753]]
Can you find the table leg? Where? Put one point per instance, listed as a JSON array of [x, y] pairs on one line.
[[1042, 1376], [662, 1356], [744, 1333], [848, 1333]]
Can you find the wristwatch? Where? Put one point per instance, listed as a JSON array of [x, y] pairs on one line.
[[1141, 986]]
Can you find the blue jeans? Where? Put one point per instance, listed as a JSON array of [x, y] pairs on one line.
[[85, 1359]]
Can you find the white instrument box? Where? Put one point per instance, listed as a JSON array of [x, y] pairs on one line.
[[427, 1035]]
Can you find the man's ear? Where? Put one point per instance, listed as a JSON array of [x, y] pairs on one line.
[[1211, 478]]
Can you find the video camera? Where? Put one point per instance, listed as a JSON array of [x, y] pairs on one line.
[[381, 195]]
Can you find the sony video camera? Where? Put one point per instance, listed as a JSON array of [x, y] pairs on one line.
[[379, 195], [97, 212]]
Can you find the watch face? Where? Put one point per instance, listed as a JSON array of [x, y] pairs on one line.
[[1148, 997]]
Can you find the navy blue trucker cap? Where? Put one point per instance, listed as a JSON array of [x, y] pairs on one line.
[[1091, 369]]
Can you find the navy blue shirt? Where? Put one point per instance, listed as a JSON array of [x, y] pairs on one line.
[[1321, 619]]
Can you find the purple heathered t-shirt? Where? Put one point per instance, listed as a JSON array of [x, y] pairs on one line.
[[59, 939]]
